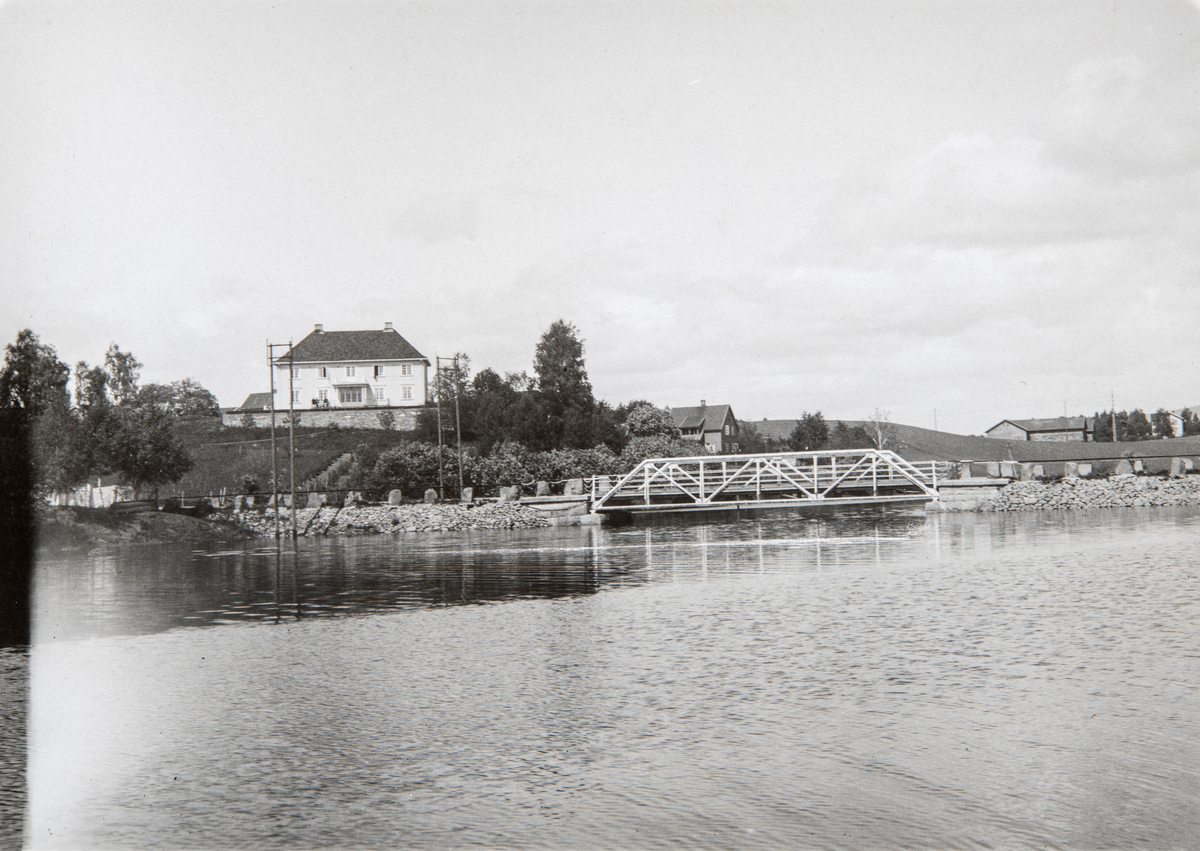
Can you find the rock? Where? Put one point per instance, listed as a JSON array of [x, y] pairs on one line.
[[238, 502], [993, 469], [1070, 470], [573, 487], [1039, 471], [394, 497], [1178, 468], [1008, 469], [1138, 467], [603, 485], [352, 498], [1084, 470], [510, 494], [1026, 472], [543, 489], [467, 496], [1123, 468], [431, 496]]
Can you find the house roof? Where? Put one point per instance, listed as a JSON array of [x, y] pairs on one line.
[[256, 402], [777, 430], [324, 346], [705, 417], [1053, 424]]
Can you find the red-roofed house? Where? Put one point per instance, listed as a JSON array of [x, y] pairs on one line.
[[714, 426]]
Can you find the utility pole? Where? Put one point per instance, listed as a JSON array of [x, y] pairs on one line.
[[274, 475], [292, 431], [1112, 400], [458, 424], [437, 384]]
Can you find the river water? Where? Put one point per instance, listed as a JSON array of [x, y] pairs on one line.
[[870, 680]]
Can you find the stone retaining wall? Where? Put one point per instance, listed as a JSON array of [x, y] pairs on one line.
[[405, 418], [446, 517], [1114, 492]]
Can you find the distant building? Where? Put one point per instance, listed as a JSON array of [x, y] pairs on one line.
[[254, 402], [351, 369], [1061, 429], [714, 426]]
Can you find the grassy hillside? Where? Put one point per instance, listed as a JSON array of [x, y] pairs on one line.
[[923, 444], [224, 455]]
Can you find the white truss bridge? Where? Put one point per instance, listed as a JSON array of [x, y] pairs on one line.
[[772, 480]]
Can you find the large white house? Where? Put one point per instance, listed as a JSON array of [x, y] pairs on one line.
[[351, 369]]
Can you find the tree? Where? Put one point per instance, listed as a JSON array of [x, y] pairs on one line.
[[122, 368], [143, 447], [648, 421], [558, 364], [879, 428], [189, 398], [810, 434], [844, 437], [62, 452], [1139, 425], [1191, 422], [33, 378], [1162, 424]]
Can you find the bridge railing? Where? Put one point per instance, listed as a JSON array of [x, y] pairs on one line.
[[710, 480]]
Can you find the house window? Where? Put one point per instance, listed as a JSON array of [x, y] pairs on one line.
[[295, 372], [349, 372], [350, 395], [322, 395], [295, 397], [379, 371], [406, 369], [321, 372], [728, 429], [406, 392]]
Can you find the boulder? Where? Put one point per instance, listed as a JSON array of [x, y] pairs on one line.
[[394, 496], [543, 489], [993, 469], [1178, 467], [1008, 469], [467, 495], [1026, 472], [510, 494], [1123, 468], [573, 487], [1084, 470], [1070, 470], [238, 503], [315, 499], [431, 496], [1138, 466]]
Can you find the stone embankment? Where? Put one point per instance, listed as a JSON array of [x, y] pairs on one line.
[[359, 519], [1115, 492]]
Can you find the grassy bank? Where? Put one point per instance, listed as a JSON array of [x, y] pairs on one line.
[[84, 528]]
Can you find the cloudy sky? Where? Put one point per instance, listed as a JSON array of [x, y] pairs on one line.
[[986, 210]]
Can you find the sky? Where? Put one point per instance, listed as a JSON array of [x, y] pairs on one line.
[[954, 213]]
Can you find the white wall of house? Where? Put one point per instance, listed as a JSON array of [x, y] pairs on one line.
[[352, 384]]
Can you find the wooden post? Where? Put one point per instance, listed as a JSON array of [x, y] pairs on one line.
[[274, 474], [292, 431]]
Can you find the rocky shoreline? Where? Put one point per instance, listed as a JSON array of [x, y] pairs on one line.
[[359, 519], [1120, 491]]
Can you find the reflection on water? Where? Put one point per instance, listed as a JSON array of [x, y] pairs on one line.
[[852, 680]]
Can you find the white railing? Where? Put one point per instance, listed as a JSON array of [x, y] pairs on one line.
[[713, 480]]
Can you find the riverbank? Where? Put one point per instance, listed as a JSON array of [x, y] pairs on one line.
[[1076, 493], [358, 519], [72, 527]]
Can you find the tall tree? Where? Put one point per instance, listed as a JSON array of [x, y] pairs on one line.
[[1162, 424], [123, 373], [144, 449], [1191, 422], [33, 378], [810, 434], [561, 374], [648, 421]]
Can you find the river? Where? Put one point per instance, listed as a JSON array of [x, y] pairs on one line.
[[858, 680]]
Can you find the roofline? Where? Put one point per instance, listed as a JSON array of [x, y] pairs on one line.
[[284, 360]]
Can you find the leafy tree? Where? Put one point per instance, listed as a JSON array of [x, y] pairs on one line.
[[189, 398], [648, 421], [844, 437], [561, 374], [1191, 422], [1162, 423], [1139, 425], [33, 378], [63, 455], [810, 434], [123, 374], [143, 447]]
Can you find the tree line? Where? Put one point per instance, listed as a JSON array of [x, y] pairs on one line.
[[1135, 425], [112, 425]]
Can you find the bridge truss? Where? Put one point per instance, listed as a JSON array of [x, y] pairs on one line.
[[773, 480]]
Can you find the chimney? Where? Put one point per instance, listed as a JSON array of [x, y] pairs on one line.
[[319, 329], [387, 326], [702, 404]]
